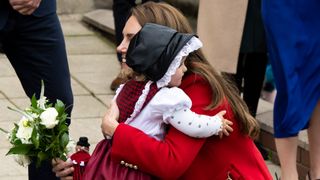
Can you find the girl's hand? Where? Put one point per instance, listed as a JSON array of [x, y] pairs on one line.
[[226, 125], [62, 169], [110, 120], [226, 128]]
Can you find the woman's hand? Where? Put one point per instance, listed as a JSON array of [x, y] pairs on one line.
[[62, 169], [110, 120]]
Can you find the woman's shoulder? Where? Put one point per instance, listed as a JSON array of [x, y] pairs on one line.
[[195, 83], [192, 79]]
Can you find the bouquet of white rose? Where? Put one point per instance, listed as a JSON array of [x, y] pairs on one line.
[[42, 132]]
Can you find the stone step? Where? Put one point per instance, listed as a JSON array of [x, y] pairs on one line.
[[101, 19]]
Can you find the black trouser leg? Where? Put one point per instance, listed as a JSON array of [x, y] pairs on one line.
[[254, 73], [252, 68]]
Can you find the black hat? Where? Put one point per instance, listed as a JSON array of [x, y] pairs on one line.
[[153, 48], [83, 141]]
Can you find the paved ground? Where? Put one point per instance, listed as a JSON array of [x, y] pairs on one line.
[[93, 65]]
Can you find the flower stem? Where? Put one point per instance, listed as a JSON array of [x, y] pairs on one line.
[[22, 113]]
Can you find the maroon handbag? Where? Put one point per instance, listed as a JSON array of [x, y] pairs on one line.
[[101, 167]]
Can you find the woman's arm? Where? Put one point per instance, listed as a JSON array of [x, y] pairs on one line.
[[166, 159], [169, 158]]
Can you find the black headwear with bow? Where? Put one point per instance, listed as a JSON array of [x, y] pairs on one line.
[[153, 48], [83, 141]]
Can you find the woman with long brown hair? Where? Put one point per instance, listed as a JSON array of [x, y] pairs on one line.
[[179, 156]]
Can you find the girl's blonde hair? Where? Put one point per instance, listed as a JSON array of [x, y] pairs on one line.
[[165, 14]]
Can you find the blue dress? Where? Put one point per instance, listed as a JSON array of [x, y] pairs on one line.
[[293, 37]]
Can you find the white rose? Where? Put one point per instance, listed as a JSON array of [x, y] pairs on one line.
[[22, 160], [49, 118], [24, 131]]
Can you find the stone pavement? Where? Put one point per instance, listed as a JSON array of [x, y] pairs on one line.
[[93, 65]]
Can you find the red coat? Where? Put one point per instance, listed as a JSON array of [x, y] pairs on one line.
[[80, 160], [179, 156]]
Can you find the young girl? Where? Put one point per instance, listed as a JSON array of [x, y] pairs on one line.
[[152, 98], [158, 67]]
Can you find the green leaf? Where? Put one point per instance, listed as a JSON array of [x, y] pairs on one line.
[[34, 101], [16, 126], [63, 157], [35, 138], [59, 106], [63, 128], [62, 119], [15, 140], [52, 145], [32, 153], [41, 156], [59, 103], [20, 149], [36, 110], [64, 140]]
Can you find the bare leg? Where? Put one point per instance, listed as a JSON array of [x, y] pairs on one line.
[[314, 143], [287, 152]]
